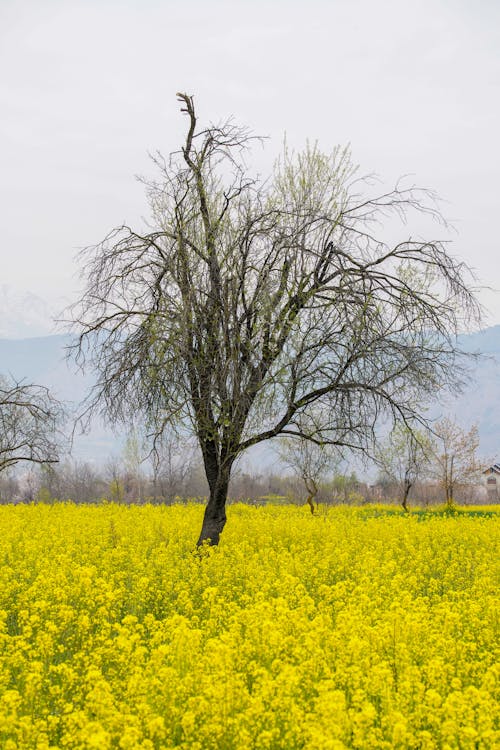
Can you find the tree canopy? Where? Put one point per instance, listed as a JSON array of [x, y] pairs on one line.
[[251, 309], [455, 460], [403, 457], [29, 418]]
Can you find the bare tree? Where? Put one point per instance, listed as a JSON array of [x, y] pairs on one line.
[[9, 487], [454, 457], [133, 459], [247, 306], [114, 474], [403, 459], [172, 465], [310, 462], [29, 418], [346, 488]]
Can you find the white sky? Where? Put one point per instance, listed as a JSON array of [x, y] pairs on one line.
[[87, 88]]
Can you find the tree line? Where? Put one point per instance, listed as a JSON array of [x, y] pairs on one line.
[[445, 469]]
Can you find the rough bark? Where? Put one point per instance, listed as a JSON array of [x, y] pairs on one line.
[[312, 489], [404, 501], [214, 519], [408, 484], [310, 502]]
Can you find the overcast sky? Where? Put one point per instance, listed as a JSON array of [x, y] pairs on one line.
[[87, 88]]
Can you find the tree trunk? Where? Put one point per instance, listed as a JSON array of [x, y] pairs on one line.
[[215, 513], [406, 491], [310, 502], [312, 489], [449, 497], [450, 485]]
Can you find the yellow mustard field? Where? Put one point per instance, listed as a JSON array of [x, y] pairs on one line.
[[354, 628]]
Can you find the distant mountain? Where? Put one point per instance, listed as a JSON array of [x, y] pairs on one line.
[[42, 360], [486, 341], [24, 314], [479, 404]]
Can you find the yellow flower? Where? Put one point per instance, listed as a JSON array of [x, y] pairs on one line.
[[355, 628]]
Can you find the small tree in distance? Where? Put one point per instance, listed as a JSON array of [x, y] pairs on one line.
[[172, 463], [250, 307], [310, 462], [29, 422], [454, 457], [345, 488], [403, 458]]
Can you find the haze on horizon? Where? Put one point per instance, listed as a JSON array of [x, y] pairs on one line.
[[89, 88]]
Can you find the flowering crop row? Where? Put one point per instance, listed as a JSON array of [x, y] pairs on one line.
[[353, 628]]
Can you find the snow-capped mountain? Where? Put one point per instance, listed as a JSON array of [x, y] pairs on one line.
[[26, 315]]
